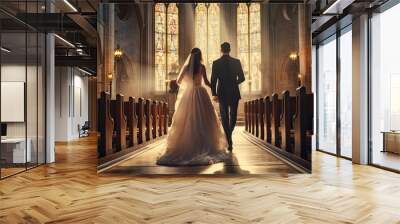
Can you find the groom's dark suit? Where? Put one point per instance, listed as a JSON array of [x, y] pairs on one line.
[[227, 74]]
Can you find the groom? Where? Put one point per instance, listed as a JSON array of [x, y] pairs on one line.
[[227, 74]]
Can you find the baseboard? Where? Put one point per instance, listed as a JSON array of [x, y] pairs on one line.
[[294, 161]]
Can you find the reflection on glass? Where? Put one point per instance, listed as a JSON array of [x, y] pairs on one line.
[[346, 94], [22, 94], [14, 153], [385, 84], [327, 96]]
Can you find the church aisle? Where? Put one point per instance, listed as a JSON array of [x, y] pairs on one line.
[[246, 158], [71, 191]]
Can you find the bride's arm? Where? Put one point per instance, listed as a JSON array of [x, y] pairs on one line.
[[180, 77], [206, 82]]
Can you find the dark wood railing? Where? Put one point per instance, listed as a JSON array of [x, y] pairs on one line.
[[284, 123], [126, 126]]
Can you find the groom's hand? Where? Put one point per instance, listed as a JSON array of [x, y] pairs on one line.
[[215, 98]]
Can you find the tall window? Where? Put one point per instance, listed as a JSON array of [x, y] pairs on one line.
[[208, 31], [346, 94], [327, 96], [249, 44], [385, 88], [166, 42]]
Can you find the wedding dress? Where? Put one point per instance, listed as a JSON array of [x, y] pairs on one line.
[[196, 136]]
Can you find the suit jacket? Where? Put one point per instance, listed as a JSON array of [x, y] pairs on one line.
[[227, 74]]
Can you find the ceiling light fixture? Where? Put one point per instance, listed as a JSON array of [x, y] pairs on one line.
[[337, 7], [70, 5], [84, 71], [65, 41], [5, 50]]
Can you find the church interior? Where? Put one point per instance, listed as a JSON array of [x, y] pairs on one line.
[[89, 90]]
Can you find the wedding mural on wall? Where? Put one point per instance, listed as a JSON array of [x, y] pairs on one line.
[[197, 73]]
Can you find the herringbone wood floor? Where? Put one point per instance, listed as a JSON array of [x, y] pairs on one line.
[[70, 191]]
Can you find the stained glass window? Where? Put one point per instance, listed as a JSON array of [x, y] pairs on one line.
[[249, 44], [166, 42], [207, 32]]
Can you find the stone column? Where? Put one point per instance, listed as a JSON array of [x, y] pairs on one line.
[[147, 52], [108, 39], [305, 45], [280, 38], [229, 26], [186, 30], [268, 77]]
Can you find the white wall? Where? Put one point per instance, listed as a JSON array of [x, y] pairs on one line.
[[71, 102], [16, 73], [33, 126]]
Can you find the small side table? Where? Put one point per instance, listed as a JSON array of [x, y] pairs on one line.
[[391, 141]]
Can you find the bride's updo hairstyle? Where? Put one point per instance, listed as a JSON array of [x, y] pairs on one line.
[[196, 60]]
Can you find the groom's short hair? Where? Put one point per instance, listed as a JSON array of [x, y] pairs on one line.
[[225, 47]]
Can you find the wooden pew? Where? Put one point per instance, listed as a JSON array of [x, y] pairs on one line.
[[149, 125], [286, 125], [267, 118], [303, 123], [252, 120], [154, 119], [166, 117], [132, 122], [105, 126], [257, 117], [261, 118], [275, 121], [118, 113], [246, 116], [141, 120], [160, 113]]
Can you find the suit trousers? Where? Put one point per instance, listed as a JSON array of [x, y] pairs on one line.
[[228, 113]]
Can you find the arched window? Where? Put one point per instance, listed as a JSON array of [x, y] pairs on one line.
[[166, 31], [207, 31], [249, 44]]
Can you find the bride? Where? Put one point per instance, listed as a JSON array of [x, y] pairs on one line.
[[196, 136]]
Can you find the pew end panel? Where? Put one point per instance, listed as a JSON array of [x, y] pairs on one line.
[[275, 121], [268, 117], [286, 124], [303, 123], [105, 125]]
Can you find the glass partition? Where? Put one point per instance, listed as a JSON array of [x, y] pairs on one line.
[[22, 88], [14, 153], [385, 89]]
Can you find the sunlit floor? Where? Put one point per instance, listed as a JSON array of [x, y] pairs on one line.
[[246, 158], [386, 159]]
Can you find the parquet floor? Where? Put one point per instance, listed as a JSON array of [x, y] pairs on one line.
[[70, 191]]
